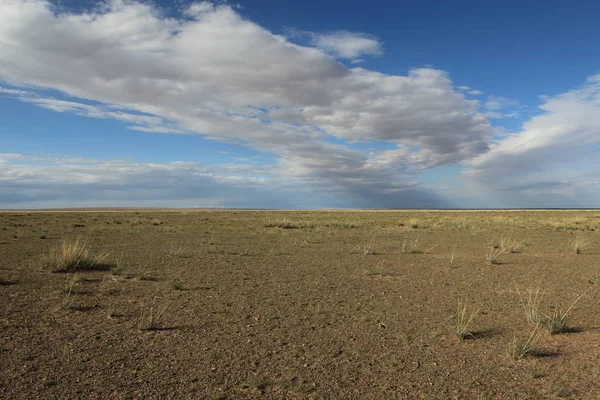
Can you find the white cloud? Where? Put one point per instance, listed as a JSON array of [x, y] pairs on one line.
[[501, 107], [348, 45], [215, 73], [46, 181], [495, 103], [555, 153]]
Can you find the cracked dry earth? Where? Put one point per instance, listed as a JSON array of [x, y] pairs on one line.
[[205, 304]]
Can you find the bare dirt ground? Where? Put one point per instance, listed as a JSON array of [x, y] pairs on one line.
[[297, 305]]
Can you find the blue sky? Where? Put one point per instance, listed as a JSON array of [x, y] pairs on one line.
[[271, 104]]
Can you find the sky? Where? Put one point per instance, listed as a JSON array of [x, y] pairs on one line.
[[300, 104]]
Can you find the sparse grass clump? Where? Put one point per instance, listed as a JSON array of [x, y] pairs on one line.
[[379, 270], [493, 256], [579, 244], [68, 294], [152, 320], [519, 347], [413, 247], [178, 285], [532, 306], [73, 256], [463, 320], [367, 249], [283, 223], [557, 320], [180, 252], [509, 245]]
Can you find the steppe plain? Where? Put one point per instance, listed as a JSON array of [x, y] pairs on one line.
[[232, 304]]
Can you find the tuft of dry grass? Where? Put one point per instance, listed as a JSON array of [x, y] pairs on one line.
[[493, 256], [180, 252], [463, 320], [510, 245], [367, 249], [532, 306], [519, 347], [557, 320], [152, 320], [68, 294], [380, 270], [413, 247], [73, 256], [178, 285], [579, 244]]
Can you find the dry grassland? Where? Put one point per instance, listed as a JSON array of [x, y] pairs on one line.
[[300, 304]]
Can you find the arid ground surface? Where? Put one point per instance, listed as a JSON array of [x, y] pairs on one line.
[[297, 305]]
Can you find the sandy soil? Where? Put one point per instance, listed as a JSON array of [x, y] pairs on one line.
[[296, 305]]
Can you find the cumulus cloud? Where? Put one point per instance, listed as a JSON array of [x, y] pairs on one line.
[[563, 142], [215, 73], [348, 45]]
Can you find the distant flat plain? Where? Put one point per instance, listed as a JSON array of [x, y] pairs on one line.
[[348, 304]]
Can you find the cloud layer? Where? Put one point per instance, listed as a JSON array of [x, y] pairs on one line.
[[214, 73], [554, 160], [45, 181], [209, 71]]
